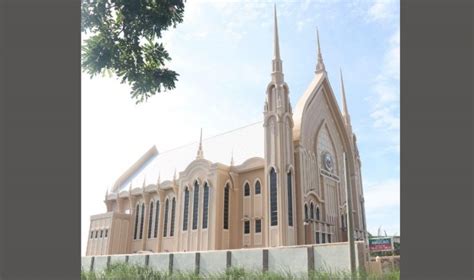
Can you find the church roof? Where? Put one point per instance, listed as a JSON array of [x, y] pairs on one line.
[[240, 144]]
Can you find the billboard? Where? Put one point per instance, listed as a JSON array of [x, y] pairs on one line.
[[380, 244]]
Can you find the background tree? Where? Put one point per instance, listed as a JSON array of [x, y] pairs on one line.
[[124, 38]]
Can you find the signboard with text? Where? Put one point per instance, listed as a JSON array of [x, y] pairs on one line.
[[380, 244]]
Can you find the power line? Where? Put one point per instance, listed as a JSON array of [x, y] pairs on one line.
[[211, 137]]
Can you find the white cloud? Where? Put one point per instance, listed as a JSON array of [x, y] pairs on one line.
[[382, 10], [382, 195]]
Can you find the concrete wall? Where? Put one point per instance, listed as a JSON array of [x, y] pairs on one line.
[[297, 260]]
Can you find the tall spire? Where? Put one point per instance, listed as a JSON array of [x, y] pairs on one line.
[[345, 111], [320, 64], [277, 68], [200, 153], [276, 43]]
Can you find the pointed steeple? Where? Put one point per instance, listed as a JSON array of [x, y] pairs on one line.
[[320, 64], [200, 153], [277, 67], [345, 111]]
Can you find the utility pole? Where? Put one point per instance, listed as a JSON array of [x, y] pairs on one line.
[[350, 220]]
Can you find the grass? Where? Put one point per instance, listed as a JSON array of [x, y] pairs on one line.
[[123, 271]]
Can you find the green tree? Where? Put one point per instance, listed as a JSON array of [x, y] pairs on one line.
[[124, 40]]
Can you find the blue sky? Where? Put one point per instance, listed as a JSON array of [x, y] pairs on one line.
[[223, 53]]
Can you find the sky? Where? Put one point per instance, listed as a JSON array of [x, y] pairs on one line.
[[222, 52]]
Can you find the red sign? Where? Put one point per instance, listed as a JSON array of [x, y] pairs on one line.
[[380, 244]]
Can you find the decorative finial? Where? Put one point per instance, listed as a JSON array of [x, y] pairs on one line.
[[345, 111], [200, 153], [174, 176], [320, 64], [232, 158], [159, 178], [106, 193]]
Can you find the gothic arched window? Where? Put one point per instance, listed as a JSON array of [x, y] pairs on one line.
[[257, 187], [226, 206], [205, 203], [142, 218], [195, 204], [165, 225], [290, 200], [273, 198], [317, 213], [150, 219], [136, 222], [306, 212], [311, 210], [186, 209], [173, 216], [157, 219], [246, 189]]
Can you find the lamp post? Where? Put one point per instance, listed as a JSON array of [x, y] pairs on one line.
[[350, 220]]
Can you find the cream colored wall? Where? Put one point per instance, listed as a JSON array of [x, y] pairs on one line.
[[250, 208]]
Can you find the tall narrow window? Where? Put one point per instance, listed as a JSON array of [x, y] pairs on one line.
[[342, 221], [205, 203], [290, 200], [317, 238], [273, 198], [323, 237], [101, 231], [165, 225], [173, 215], [258, 187], [311, 210], [96, 234], [195, 205], [157, 219], [306, 212], [186, 209], [246, 189], [317, 213], [92, 234], [329, 238], [142, 218], [150, 219], [258, 225], [246, 227], [106, 232], [226, 206], [136, 222]]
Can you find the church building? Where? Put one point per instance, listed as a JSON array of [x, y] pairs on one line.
[[290, 190]]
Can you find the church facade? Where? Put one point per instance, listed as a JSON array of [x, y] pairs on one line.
[[294, 193]]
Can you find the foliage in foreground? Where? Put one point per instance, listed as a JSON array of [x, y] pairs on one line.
[[126, 271], [124, 40]]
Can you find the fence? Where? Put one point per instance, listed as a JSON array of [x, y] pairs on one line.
[[292, 259]]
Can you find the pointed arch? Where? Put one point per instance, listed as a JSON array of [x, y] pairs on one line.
[[157, 218], [195, 205], [173, 216], [226, 206], [165, 224], [205, 204], [150, 218], [273, 197], [186, 208]]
